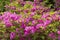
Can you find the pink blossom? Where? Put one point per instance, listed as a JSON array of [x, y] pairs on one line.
[[12, 35], [38, 26], [58, 32], [52, 35]]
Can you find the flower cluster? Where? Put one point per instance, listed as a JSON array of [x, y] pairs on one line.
[[29, 22]]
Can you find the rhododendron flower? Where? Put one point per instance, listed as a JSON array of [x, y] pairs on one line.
[[38, 0], [30, 29], [27, 20], [7, 23], [54, 17], [6, 14], [27, 28], [33, 13], [31, 19], [22, 3], [12, 7], [38, 26], [6, 18], [14, 16], [17, 30], [52, 35], [45, 15], [33, 9], [26, 33], [40, 21], [34, 22], [12, 35], [26, 11], [33, 30], [23, 25], [57, 8], [58, 32], [47, 22]]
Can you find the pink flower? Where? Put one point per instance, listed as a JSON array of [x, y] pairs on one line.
[[33, 13], [30, 29], [26, 11], [12, 35], [54, 17], [23, 25], [12, 7], [14, 16], [58, 32], [34, 22], [7, 23], [47, 22], [40, 21], [38, 26], [45, 15], [52, 35], [33, 9]]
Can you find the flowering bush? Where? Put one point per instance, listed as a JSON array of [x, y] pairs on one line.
[[26, 20]]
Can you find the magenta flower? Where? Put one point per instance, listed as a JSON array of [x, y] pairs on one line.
[[54, 17], [23, 25], [40, 21], [30, 29], [22, 3], [26, 33], [6, 14], [33, 30], [14, 16], [52, 35], [38, 26], [34, 22], [45, 15], [31, 19], [12, 7], [38, 0], [33, 9], [12, 35], [27, 20], [58, 32], [7, 23], [6, 18], [33, 13], [57, 8], [47, 22], [27, 28], [26, 11], [17, 30]]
